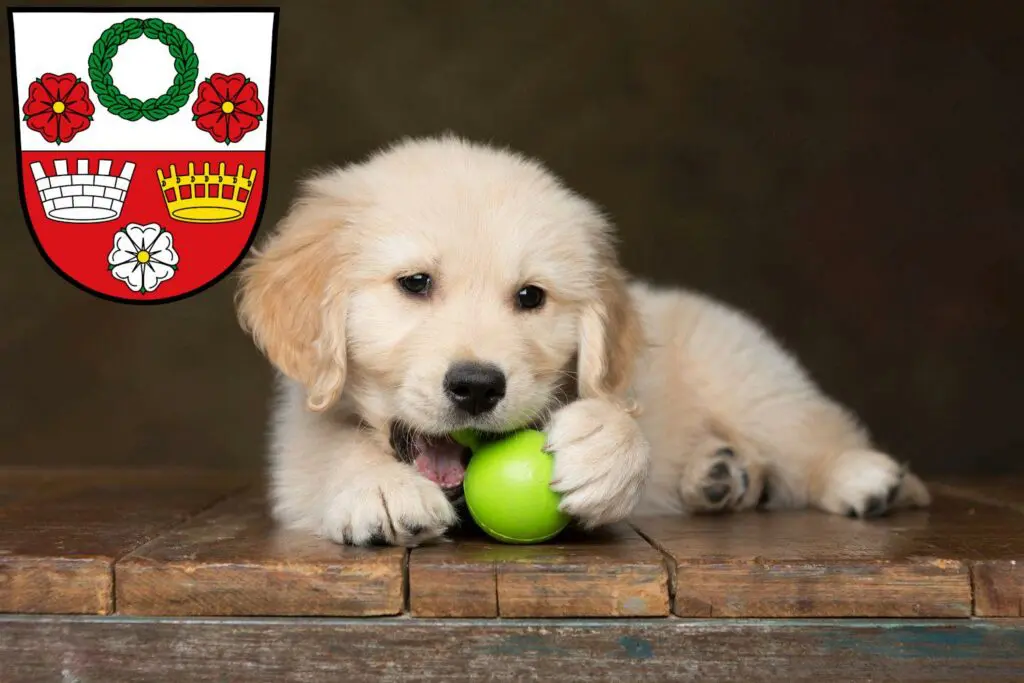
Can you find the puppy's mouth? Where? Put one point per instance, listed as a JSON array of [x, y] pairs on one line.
[[439, 458]]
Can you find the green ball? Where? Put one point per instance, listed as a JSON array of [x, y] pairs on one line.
[[508, 493]]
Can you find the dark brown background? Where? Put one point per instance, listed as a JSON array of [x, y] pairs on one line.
[[850, 172]]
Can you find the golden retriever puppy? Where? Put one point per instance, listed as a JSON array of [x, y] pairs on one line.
[[441, 285]]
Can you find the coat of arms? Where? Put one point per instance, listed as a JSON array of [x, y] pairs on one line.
[[142, 140]]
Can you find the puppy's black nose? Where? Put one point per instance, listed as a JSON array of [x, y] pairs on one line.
[[474, 387]]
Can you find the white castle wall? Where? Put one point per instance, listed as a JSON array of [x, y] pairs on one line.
[[83, 196]]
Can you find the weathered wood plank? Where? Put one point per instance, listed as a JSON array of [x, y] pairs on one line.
[[998, 581], [611, 573], [458, 579], [59, 540], [804, 564], [233, 560], [998, 588], [284, 650]]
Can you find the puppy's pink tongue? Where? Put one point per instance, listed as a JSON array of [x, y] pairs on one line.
[[440, 461]]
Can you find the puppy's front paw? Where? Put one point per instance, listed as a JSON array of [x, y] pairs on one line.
[[601, 461], [390, 504], [864, 483]]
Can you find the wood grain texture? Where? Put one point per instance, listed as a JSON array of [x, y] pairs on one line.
[[807, 564], [998, 588], [454, 580], [999, 581], [302, 650], [59, 540], [233, 560], [612, 573]]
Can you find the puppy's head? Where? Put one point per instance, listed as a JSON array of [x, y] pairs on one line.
[[442, 285]]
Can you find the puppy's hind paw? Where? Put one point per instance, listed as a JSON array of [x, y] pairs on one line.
[[865, 483], [721, 481]]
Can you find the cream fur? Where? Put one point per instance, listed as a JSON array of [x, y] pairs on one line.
[[355, 352], [712, 377]]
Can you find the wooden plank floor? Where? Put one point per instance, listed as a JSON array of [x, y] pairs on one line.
[[913, 564], [184, 543], [172, 562], [231, 560], [61, 532], [998, 580], [114, 649], [613, 573]]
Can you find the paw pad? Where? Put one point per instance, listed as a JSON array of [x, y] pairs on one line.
[[719, 471], [724, 481], [716, 493]]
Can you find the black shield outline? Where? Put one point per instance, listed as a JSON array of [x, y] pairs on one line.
[[16, 99]]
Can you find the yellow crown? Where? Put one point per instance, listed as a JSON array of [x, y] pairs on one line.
[[219, 201]]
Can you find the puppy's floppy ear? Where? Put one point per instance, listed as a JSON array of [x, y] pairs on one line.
[[610, 338], [292, 297]]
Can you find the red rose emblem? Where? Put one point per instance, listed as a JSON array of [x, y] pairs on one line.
[[227, 107], [58, 107]]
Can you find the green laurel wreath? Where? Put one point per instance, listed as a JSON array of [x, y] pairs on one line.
[[186, 68]]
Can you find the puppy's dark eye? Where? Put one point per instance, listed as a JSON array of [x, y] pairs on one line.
[[530, 297], [418, 284]]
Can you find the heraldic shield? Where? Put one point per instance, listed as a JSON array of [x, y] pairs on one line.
[[143, 142]]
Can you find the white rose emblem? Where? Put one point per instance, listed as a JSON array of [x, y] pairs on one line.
[[143, 256]]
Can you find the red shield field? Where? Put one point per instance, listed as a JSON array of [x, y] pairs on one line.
[[143, 143]]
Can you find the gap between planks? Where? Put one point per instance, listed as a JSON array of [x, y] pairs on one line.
[[238, 490]]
